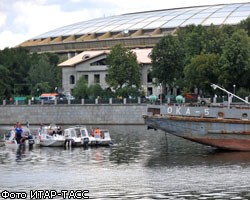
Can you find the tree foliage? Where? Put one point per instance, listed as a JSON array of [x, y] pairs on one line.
[[44, 70], [95, 91], [123, 70], [191, 42], [81, 89], [202, 71], [235, 60], [4, 75], [167, 60], [215, 55], [22, 72]]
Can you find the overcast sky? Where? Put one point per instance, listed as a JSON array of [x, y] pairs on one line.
[[21, 20]]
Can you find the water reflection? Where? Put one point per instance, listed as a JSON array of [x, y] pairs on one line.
[[140, 165]]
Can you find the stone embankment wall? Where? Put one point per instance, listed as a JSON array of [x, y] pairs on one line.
[[73, 114]]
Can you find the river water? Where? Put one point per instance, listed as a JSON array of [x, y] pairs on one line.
[[141, 164]]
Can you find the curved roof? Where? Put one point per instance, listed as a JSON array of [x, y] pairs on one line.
[[147, 24]]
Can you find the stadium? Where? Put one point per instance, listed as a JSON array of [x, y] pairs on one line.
[[134, 30], [87, 43]]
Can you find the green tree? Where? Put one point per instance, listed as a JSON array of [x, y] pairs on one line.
[[4, 86], [202, 71], [17, 61], [41, 87], [235, 61], [81, 89], [213, 39], [167, 60], [191, 41], [95, 90], [129, 92], [25, 70], [44, 70], [245, 24], [123, 69]]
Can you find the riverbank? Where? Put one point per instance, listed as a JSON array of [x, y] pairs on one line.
[[64, 114]]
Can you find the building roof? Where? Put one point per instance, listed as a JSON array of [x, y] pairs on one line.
[[82, 57], [147, 25], [143, 57]]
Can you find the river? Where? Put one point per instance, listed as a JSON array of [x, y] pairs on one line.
[[142, 164]]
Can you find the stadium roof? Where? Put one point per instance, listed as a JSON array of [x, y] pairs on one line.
[[135, 29]]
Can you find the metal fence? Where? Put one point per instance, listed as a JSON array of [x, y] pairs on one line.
[[139, 100]]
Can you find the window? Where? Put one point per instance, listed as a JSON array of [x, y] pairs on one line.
[[86, 77], [72, 79], [97, 78], [99, 62], [150, 91], [150, 79]]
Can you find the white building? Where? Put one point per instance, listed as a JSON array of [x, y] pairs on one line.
[[92, 65]]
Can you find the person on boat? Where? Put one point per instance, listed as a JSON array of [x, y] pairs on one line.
[[19, 132], [98, 132], [59, 130], [92, 132], [20, 138]]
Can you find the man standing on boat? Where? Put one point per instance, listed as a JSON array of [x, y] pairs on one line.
[[19, 133], [20, 138]]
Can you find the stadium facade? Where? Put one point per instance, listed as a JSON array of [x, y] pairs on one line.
[[134, 30]]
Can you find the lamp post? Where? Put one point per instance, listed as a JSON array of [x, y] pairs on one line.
[[229, 93], [160, 94], [234, 89]]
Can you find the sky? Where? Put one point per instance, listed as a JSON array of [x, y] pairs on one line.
[[21, 20]]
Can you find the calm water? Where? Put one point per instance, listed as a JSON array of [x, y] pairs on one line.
[[141, 165]]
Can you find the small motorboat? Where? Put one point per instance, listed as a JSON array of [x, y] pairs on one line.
[[100, 137], [10, 139], [48, 136], [76, 136]]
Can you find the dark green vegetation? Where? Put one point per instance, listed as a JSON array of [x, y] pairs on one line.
[[197, 56], [24, 74], [123, 72]]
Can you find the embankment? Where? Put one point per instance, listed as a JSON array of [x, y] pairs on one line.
[[73, 114]]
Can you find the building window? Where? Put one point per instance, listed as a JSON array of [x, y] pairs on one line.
[[97, 78], [99, 62], [150, 91], [72, 79], [86, 77], [149, 77]]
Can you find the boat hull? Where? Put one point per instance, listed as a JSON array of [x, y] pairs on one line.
[[13, 144], [49, 143], [219, 132]]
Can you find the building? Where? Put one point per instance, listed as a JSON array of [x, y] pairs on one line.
[[133, 30], [87, 43], [92, 66]]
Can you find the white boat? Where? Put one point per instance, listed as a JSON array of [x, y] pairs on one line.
[[48, 136], [76, 136], [101, 137], [10, 139]]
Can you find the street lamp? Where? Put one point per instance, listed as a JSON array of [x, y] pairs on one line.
[[160, 94], [229, 93], [234, 89]]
